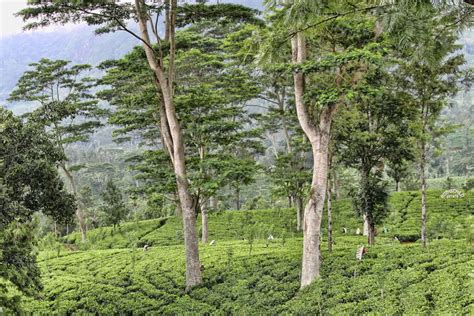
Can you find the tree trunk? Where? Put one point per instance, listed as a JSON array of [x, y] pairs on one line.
[[329, 207], [237, 199], [205, 227], [423, 194], [79, 210], [397, 186], [371, 235], [299, 212], [213, 202], [366, 226], [176, 141], [319, 139]]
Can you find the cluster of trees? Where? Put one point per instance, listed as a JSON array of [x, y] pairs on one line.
[[341, 85]]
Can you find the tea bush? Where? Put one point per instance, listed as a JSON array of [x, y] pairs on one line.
[[391, 279]]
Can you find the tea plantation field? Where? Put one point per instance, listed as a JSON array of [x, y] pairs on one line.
[[448, 218], [391, 279], [113, 275]]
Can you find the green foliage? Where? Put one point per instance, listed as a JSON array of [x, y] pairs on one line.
[[29, 183], [113, 204], [388, 279], [371, 199]]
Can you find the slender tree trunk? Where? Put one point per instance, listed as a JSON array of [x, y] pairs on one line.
[[205, 225], [397, 186], [299, 212], [237, 198], [365, 231], [371, 235], [176, 141], [79, 210], [423, 194], [329, 207], [319, 139], [368, 225], [213, 202], [335, 186]]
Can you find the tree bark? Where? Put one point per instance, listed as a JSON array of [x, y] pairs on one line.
[[319, 139], [79, 210], [205, 225], [329, 207], [177, 153], [423, 194], [397, 186], [365, 231], [237, 199], [299, 212], [371, 235]]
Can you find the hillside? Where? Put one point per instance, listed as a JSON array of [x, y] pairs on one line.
[[262, 277], [449, 218], [391, 279]]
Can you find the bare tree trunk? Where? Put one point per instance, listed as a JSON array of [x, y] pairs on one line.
[[319, 139], [329, 207], [335, 186], [423, 194], [213, 202], [397, 186], [366, 226], [175, 143], [205, 225], [237, 199], [371, 235], [79, 210], [299, 213]]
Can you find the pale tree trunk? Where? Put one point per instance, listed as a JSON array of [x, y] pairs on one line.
[[335, 186], [205, 225], [79, 209], [213, 202], [397, 186], [423, 194], [329, 207], [319, 139], [366, 226], [299, 212], [174, 140]]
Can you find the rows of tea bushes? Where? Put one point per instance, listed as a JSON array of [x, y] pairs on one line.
[[447, 218], [122, 237], [391, 279]]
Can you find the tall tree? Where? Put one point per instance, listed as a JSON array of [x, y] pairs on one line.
[[429, 82], [326, 62], [374, 130], [29, 183], [113, 204], [114, 16], [66, 109]]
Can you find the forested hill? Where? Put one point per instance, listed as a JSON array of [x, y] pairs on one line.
[[79, 45]]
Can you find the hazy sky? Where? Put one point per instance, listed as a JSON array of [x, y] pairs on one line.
[[9, 24]]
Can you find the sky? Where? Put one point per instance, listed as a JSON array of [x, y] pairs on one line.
[[10, 25]]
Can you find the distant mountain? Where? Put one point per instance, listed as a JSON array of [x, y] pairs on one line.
[[80, 45]]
